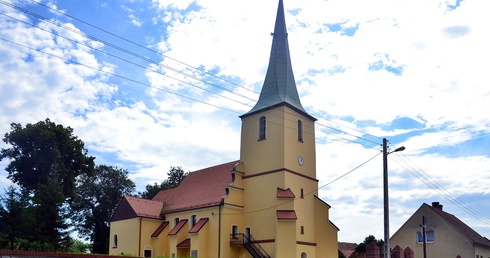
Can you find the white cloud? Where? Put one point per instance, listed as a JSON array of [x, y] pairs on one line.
[[343, 75]]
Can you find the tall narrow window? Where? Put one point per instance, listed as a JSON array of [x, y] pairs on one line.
[[176, 221], [234, 231], [114, 241], [262, 127], [300, 130], [193, 220]]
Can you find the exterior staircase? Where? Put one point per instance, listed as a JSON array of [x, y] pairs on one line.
[[250, 245]]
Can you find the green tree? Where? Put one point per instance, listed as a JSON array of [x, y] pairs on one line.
[[16, 218], [361, 247], [97, 197], [45, 160], [175, 176]]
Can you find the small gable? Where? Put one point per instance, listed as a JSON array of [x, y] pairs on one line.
[[199, 225], [132, 207], [184, 244], [123, 211], [160, 229], [286, 215], [285, 193], [177, 227]]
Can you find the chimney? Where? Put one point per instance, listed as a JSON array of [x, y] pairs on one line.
[[437, 205]]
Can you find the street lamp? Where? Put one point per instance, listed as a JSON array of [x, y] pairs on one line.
[[385, 198]]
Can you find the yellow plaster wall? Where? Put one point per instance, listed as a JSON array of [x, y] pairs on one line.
[[148, 226], [281, 147], [127, 235], [286, 244], [326, 234], [448, 242]]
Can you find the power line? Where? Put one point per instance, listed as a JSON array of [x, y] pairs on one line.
[[117, 75], [154, 62], [139, 45], [308, 193], [425, 178]]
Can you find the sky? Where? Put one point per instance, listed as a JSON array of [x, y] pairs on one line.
[[152, 84]]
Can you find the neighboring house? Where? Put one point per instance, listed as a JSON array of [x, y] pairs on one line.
[[265, 204], [446, 235], [347, 250]]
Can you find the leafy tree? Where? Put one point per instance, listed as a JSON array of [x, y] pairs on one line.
[[175, 176], [362, 246], [45, 160], [98, 195]]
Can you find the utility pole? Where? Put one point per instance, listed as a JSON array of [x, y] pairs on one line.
[[424, 235], [386, 251], [386, 201]]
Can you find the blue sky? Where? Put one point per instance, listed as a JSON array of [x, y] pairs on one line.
[[153, 84]]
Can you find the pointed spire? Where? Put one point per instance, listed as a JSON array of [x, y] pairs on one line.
[[279, 86]]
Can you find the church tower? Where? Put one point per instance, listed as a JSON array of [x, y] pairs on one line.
[[278, 162]]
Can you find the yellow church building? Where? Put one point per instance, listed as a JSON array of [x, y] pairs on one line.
[[263, 205]]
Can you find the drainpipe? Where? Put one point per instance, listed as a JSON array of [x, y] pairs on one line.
[[139, 240], [219, 231]]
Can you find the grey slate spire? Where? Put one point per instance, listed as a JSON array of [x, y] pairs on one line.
[[279, 86]]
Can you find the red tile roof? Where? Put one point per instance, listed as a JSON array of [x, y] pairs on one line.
[[160, 229], [201, 188], [132, 207], [285, 193], [163, 195], [471, 234], [177, 227], [347, 249], [184, 244], [199, 225], [287, 215]]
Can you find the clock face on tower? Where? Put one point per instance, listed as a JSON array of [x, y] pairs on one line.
[[301, 161]]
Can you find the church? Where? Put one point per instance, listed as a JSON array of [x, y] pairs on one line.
[[263, 205]]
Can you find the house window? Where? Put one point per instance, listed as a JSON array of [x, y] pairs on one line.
[[194, 253], [300, 130], [262, 127], [114, 241], [429, 237], [302, 230], [147, 253], [304, 255], [234, 231], [193, 220], [176, 221]]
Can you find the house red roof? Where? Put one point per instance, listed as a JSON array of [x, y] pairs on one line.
[[201, 188], [132, 207], [471, 234], [347, 249]]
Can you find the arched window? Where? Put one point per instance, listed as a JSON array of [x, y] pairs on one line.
[[300, 130], [262, 127], [234, 231], [304, 255], [193, 220], [114, 241]]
